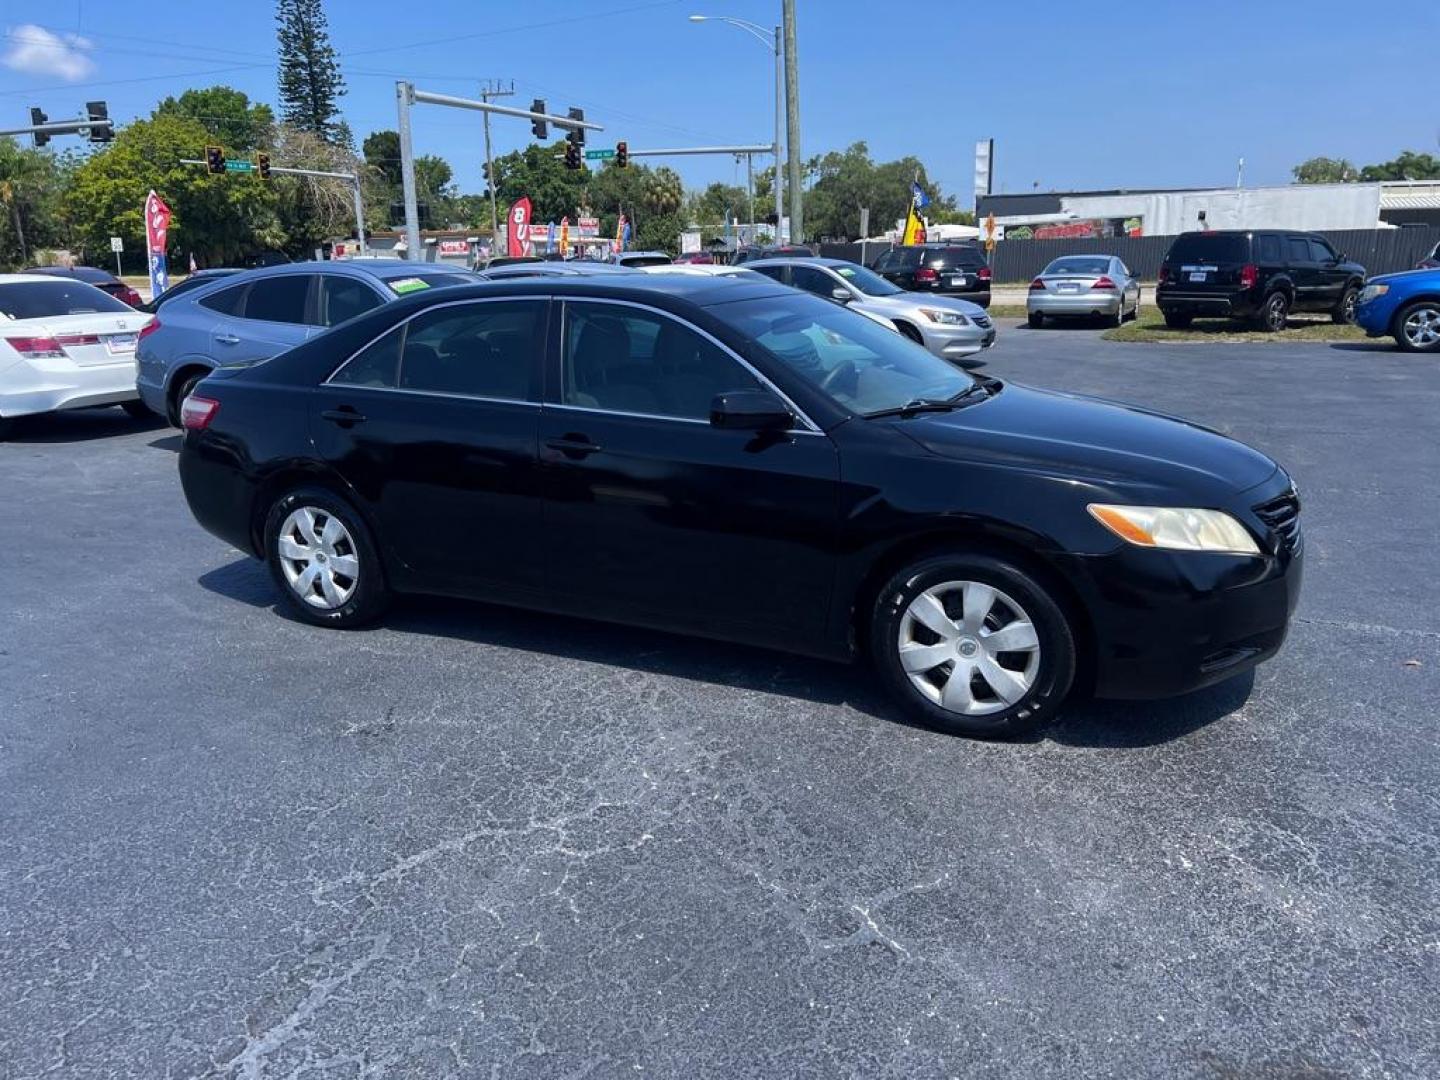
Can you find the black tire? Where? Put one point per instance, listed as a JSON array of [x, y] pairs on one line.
[[1118, 319], [6, 427], [137, 410], [1274, 313], [369, 595], [1344, 313], [1407, 342], [1019, 592], [1036, 319], [910, 332], [180, 391], [1178, 322]]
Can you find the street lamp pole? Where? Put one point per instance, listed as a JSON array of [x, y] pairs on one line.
[[773, 42]]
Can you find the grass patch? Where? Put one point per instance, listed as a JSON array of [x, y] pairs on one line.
[[1007, 311], [1150, 327]]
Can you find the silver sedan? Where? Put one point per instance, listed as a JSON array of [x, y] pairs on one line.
[[1084, 285]]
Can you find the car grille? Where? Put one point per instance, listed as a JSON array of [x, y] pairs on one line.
[[1282, 514], [982, 321]]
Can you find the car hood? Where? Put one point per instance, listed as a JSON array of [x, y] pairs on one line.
[[909, 301], [1404, 275], [1105, 442]]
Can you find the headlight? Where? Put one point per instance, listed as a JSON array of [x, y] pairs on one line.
[[1176, 528], [1372, 291], [944, 318]]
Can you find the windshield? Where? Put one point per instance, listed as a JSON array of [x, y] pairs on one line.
[[864, 366], [1079, 264], [39, 299], [867, 281]]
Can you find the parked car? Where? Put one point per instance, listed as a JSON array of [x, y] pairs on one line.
[[1403, 306], [180, 288], [1431, 261], [64, 344], [696, 258], [1084, 285], [949, 269], [951, 329], [93, 275], [241, 320], [637, 259], [745, 462], [511, 260], [1261, 275], [751, 252], [744, 273], [548, 268]]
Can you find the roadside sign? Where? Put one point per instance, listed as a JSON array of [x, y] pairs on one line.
[[117, 245], [239, 166], [990, 234], [599, 155]]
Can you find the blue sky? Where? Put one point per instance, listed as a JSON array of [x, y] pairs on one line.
[[1092, 95]]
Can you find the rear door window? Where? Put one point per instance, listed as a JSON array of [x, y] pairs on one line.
[[960, 257], [343, 298], [1267, 248], [1299, 249], [280, 299], [813, 281], [226, 301], [482, 350], [377, 365], [776, 272]]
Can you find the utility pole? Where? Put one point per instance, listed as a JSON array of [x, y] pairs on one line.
[[792, 123], [489, 92]]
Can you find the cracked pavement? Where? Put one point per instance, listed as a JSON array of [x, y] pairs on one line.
[[472, 842]]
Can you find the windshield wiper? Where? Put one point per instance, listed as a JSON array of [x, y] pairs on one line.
[[916, 405]]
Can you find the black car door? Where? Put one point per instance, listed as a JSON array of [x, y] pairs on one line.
[[433, 426], [1332, 276], [1304, 272], [654, 515]]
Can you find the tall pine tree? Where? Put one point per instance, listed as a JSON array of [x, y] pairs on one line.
[[310, 80]]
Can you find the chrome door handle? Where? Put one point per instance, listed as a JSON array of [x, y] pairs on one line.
[[227, 339]]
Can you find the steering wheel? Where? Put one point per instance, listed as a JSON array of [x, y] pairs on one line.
[[844, 369]]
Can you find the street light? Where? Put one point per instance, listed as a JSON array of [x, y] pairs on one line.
[[771, 40]]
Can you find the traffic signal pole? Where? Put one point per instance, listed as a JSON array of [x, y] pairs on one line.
[[350, 178]]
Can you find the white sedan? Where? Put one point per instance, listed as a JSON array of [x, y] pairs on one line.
[[65, 345], [740, 273]]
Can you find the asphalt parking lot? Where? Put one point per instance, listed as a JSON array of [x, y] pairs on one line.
[[473, 842]]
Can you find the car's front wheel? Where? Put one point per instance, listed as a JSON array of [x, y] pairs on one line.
[[323, 560], [1344, 313], [1417, 327], [973, 645]]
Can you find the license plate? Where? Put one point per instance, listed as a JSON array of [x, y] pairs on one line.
[[120, 343], [1198, 275], [960, 282], [1067, 287]]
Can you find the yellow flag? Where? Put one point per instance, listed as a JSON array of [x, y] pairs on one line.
[[914, 228]]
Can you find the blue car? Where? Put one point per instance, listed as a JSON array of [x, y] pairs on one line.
[[244, 318], [1404, 306]]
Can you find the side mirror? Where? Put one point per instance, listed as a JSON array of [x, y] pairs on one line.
[[750, 410], [844, 295], [1342, 257]]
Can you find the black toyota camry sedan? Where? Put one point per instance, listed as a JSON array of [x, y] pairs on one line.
[[744, 461]]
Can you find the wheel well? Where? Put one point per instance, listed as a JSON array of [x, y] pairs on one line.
[[914, 548], [287, 479], [908, 330], [177, 380], [1406, 304]]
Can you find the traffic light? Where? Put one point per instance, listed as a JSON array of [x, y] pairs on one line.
[[214, 160], [572, 154], [622, 154], [262, 165], [37, 118], [485, 170], [539, 128], [99, 114], [579, 133]]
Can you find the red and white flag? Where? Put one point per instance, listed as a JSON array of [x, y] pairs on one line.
[[518, 228]]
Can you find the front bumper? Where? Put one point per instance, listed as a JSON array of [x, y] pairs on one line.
[[956, 342], [42, 386], [1375, 316], [1167, 623], [1048, 303]]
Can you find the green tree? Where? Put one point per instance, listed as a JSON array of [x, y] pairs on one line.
[[842, 182], [310, 81], [718, 204], [31, 184], [227, 116], [650, 198], [382, 153], [538, 172], [219, 218], [1324, 170], [312, 209], [1408, 166]]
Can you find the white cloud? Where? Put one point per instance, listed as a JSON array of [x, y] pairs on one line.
[[36, 50]]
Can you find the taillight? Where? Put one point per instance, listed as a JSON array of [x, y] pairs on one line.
[[984, 274], [37, 348], [131, 297], [1249, 275], [1164, 275], [197, 412], [1036, 284], [1102, 282], [148, 329], [925, 273]]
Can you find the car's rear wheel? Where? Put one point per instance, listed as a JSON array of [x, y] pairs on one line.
[[137, 409], [323, 560], [1036, 319], [973, 645], [1178, 322], [183, 388], [1275, 312], [1118, 319], [1344, 312], [1417, 327]]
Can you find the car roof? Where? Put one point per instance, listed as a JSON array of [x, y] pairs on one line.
[[31, 276], [378, 269], [695, 289], [80, 273], [804, 260]]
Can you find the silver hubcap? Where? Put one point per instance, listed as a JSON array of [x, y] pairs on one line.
[[969, 648], [1422, 327], [318, 557]]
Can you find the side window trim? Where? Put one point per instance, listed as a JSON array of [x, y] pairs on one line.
[[809, 426], [404, 327]]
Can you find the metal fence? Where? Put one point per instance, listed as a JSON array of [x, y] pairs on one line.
[[1380, 251]]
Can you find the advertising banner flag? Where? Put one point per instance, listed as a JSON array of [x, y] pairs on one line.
[[518, 238], [565, 235], [157, 228], [550, 239]]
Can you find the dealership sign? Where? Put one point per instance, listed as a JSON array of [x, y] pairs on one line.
[[454, 247]]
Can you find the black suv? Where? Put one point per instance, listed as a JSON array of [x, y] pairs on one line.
[[952, 269], [1261, 275]]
